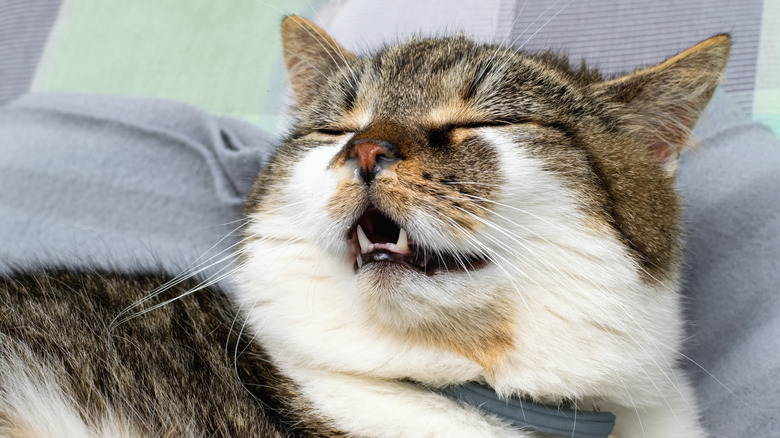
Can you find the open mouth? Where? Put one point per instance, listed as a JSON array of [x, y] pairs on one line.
[[378, 239]]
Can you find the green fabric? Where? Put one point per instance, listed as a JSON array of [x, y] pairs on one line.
[[222, 55], [766, 99]]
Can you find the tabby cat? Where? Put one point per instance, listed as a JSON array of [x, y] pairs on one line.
[[441, 212]]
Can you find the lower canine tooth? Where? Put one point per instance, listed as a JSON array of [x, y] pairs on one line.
[[359, 260]]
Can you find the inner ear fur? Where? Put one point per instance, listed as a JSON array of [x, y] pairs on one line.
[[311, 55], [664, 102]]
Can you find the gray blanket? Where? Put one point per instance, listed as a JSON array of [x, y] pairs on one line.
[[121, 183], [138, 184]]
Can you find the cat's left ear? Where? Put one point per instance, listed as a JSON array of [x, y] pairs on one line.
[[664, 102], [311, 55]]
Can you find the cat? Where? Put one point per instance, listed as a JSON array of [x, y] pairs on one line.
[[441, 212]]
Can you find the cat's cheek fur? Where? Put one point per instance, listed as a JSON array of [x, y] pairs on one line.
[[307, 193], [348, 368], [616, 336], [586, 292]]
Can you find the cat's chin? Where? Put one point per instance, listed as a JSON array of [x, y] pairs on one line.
[[398, 297]]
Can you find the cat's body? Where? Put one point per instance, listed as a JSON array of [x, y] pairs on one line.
[[170, 369], [445, 212]]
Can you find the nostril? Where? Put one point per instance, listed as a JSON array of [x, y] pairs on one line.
[[372, 155], [368, 153]]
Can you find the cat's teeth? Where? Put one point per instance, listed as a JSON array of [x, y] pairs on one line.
[[403, 241], [364, 242], [359, 260]]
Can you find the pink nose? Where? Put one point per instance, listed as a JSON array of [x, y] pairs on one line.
[[367, 154]]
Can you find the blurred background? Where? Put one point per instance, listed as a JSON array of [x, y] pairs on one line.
[[225, 57]]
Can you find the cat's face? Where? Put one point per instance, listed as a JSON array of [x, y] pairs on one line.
[[463, 198]]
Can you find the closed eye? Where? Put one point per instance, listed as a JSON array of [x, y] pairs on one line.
[[474, 125], [332, 132], [440, 137]]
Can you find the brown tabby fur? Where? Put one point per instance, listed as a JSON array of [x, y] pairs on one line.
[[180, 370]]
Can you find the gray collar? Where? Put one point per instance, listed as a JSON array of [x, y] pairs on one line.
[[551, 420]]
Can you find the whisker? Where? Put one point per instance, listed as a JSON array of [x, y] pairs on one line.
[[631, 399], [723, 385], [506, 61], [492, 255], [675, 383], [543, 25], [336, 48], [215, 278]]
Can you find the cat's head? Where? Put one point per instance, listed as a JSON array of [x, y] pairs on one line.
[[468, 199]]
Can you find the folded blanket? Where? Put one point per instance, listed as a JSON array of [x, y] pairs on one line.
[[120, 183], [732, 271]]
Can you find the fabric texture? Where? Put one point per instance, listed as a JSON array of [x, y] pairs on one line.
[[120, 183], [24, 28], [731, 188], [224, 57], [619, 36], [766, 95]]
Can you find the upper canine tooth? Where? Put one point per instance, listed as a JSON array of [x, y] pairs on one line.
[[362, 239], [403, 241]]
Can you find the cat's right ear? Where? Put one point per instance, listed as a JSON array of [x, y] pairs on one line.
[[664, 102], [311, 55]]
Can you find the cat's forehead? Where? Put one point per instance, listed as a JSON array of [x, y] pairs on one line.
[[455, 78]]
